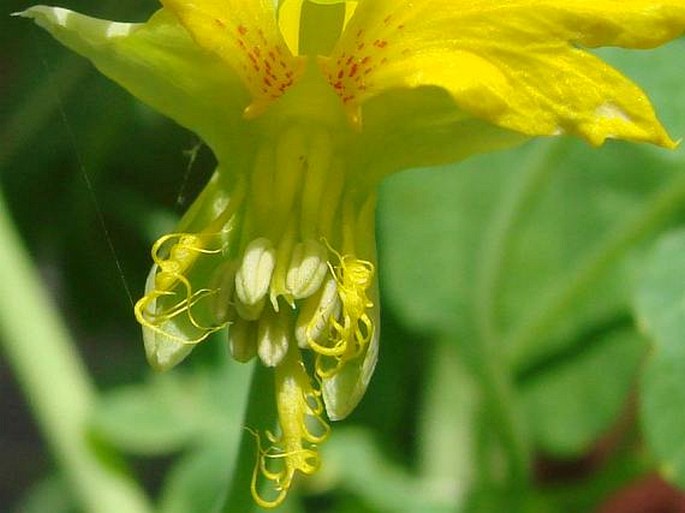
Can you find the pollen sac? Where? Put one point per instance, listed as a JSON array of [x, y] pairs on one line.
[[254, 275], [313, 319], [307, 269], [224, 284], [242, 340], [272, 338]]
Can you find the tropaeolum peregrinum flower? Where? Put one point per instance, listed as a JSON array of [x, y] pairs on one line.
[[307, 105]]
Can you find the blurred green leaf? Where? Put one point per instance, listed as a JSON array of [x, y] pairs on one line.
[[436, 224], [447, 427], [570, 405], [51, 494], [660, 308], [197, 482], [527, 251], [355, 464], [172, 409], [157, 417], [201, 413], [488, 500]]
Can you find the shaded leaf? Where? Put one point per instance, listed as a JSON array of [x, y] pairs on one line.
[[51, 494], [197, 482], [157, 417], [569, 406], [355, 463], [660, 307]]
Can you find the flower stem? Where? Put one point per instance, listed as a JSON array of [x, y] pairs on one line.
[[523, 341], [505, 415], [261, 413], [56, 385], [499, 235], [491, 368]]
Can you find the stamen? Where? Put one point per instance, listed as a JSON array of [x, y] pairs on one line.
[[315, 312], [273, 337], [242, 340], [223, 283], [349, 336], [291, 160], [317, 174], [307, 269], [254, 275]]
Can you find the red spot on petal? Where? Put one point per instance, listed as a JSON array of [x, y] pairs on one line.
[[242, 30]]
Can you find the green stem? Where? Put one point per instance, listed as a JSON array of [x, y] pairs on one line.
[[447, 426], [261, 413], [501, 230], [56, 385], [490, 367], [524, 340], [505, 415]]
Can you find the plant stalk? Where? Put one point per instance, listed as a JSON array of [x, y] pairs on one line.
[[57, 386]]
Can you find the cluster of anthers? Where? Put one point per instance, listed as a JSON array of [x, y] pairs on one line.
[[281, 292]]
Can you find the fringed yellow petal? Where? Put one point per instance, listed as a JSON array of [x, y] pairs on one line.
[[245, 36], [302, 429], [517, 64]]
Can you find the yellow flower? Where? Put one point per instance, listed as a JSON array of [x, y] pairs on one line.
[[307, 105]]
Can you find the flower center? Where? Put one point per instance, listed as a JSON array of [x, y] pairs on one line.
[[274, 252], [290, 285]]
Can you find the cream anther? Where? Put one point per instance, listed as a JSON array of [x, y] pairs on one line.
[[313, 319], [242, 340], [254, 275], [307, 269], [272, 337]]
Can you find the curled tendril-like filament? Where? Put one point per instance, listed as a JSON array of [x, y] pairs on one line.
[[182, 255], [169, 274], [281, 479], [302, 429], [150, 318], [349, 336]]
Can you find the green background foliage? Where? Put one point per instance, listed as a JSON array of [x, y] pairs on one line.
[[533, 324]]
